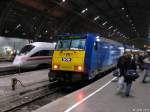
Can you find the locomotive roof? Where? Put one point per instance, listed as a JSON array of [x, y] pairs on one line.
[[85, 34]]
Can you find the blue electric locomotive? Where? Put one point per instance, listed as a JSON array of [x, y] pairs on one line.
[[83, 56]]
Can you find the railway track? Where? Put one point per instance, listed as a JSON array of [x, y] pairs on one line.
[[29, 96], [38, 98]]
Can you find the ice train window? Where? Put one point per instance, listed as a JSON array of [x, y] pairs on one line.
[[26, 49], [42, 53]]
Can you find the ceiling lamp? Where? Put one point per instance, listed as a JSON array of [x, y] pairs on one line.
[[46, 31], [110, 27], [63, 0], [104, 23], [114, 30], [19, 25], [83, 11], [97, 17], [123, 8]]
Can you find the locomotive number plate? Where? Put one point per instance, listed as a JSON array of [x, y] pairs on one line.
[[66, 59]]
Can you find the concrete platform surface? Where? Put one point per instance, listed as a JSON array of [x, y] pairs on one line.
[[5, 64], [101, 96], [28, 79]]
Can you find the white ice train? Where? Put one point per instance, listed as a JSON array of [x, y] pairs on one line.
[[34, 55]]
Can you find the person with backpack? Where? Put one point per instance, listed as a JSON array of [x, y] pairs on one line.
[[121, 65], [131, 74]]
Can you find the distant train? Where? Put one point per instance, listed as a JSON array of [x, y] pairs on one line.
[[34, 55], [83, 56]]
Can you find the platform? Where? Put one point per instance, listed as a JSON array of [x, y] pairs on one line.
[[5, 66], [101, 96]]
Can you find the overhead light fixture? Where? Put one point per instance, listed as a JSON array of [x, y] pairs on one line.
[[19, 25], [97, 17], [46, 31], [127, 15], [114, 30], [63, 0], [83, 11], [123, 8], [110, 27], [104, 23]]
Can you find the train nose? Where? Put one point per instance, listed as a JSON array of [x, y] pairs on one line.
[[18, 60]]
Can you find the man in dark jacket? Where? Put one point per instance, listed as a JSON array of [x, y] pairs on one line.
[[130, 65], [121, 64]]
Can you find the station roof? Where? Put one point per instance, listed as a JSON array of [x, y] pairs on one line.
[[127, 21]]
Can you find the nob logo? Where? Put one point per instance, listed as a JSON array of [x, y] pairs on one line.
[[66, 59]]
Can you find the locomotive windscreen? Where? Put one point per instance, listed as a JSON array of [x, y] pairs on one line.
[[71, 44]]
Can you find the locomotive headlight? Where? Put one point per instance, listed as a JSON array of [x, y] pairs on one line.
[[79, 68], [56, 66]]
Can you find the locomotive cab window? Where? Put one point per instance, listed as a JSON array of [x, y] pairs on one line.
[[76, 44], [63, 44]]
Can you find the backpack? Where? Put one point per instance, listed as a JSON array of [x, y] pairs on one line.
[[131, 74]]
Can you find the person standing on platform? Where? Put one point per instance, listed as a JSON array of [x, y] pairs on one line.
[[121, 65], [141, 61], [147, 68], [130, 67]]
